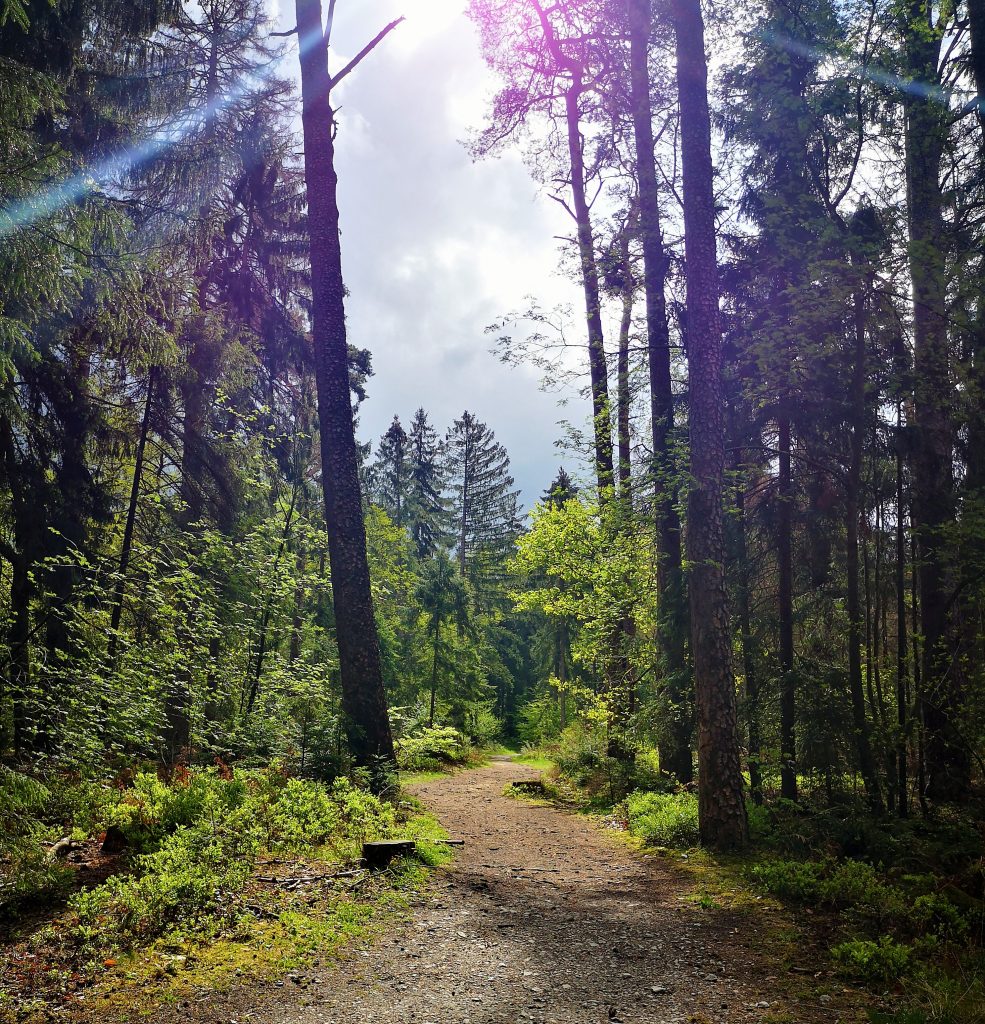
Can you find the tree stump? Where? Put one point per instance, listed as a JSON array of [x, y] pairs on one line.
[[377, 856]]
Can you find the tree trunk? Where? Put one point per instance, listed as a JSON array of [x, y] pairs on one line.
[[902, 695], [19, 644], [748, 659], [126, 549], [675, 751], [976, 37], [788, 686], [623, 396], [948, 765], [363, 696], [434, 668], [853, 511], [590, 285], [722, 812]]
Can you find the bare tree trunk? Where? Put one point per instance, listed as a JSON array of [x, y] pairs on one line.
[[748, 659], [363, 697], [860, 721], [948, 764], [722, 812], [622, 394], [126, 549], [675, 751], [19, 644], [788, 686], [590, 285], [902, 694]]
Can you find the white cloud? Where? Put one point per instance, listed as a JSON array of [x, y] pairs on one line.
[[436, 247]]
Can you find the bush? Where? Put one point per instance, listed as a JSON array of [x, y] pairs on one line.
[[212, 827], [791, 879], [433, 748], [25, 867], [885, 960], [309, 815], [664, 819], [153, 809], [191, 879]]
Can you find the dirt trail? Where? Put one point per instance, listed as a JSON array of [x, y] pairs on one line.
[[541, 918]]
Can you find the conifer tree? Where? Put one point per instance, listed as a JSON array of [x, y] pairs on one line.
[[427, 514], [484, 503], [392, 473]]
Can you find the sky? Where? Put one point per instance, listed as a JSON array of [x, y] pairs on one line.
[[436, 247]]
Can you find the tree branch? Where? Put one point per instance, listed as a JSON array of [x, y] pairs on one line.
[[365, 52], [329, 23]]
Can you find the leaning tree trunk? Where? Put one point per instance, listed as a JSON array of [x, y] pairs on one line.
[[722, 812], [363, 696], [601, 412], [119, 591], [675, 751], [948, 766]]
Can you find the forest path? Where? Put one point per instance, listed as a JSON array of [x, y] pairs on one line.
[[542, 918]]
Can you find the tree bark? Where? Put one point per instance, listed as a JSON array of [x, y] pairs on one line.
[[363, 696], [860, 721], [788, 686], [748, 659], [902, 647], [601, 413], [675, 751], [126, 549], [623, 396], [722, 812], [948, 764]]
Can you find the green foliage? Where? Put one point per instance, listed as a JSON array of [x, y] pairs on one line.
[[204, 831], [885, 960], [153, 809], [795, 880], [307, 815], [26, 869], [664, 819], [432, 748]]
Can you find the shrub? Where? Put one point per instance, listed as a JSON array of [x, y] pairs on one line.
[[934, 914], [25, 868], [192, 877], [885, 960], [664, 819], [153, 809], [215, 827], [432, 748], [791, 879]]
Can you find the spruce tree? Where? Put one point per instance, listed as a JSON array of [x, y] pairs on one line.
[[427, 514], [391, 472], [484, 503]]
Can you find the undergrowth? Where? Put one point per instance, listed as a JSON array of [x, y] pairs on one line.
[[210, 858], [898, 903]]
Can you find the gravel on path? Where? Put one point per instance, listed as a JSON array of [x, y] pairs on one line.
[[543, 919]]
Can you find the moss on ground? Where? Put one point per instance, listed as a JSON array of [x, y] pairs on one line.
[[282, 931]]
